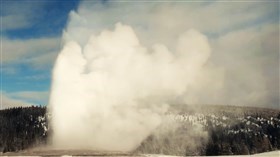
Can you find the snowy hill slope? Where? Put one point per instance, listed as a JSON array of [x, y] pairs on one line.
[[215, 130]]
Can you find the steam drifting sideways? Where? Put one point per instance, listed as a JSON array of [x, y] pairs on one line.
[[110, 92]]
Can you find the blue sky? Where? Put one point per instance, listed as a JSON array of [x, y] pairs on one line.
[[27, 24], [42, 18], [242, 34]]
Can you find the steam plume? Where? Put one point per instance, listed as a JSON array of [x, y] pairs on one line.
[[111, 92], [113, 81]]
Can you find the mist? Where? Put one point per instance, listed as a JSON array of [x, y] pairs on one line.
[[116, 76]]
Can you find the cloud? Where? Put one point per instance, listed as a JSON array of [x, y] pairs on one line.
[[44, 60], [214, 18], [8, 102], [38, 52], [23, 98], [11, 22], [8, 70], [31, 96], [36, 77], [19, 14]]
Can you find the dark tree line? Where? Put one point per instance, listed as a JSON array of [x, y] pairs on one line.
[[243, 138], [228, 134], [21, 128]]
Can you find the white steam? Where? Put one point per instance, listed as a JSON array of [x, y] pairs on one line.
[[110, 93], [112, 81]]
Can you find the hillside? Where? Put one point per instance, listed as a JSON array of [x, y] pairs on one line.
[[186, 130]]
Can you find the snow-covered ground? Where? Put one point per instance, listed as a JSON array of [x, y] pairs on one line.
[[266, 154], [270, 154]]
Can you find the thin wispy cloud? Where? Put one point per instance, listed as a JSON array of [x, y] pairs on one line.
[[8, 102], [37, 52], [19, 14], [34, 97]]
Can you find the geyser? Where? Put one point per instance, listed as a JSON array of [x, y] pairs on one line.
[[109, 92]]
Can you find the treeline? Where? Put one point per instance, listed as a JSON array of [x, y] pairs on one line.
[[21, 128], [253, 134], [227, 134]]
